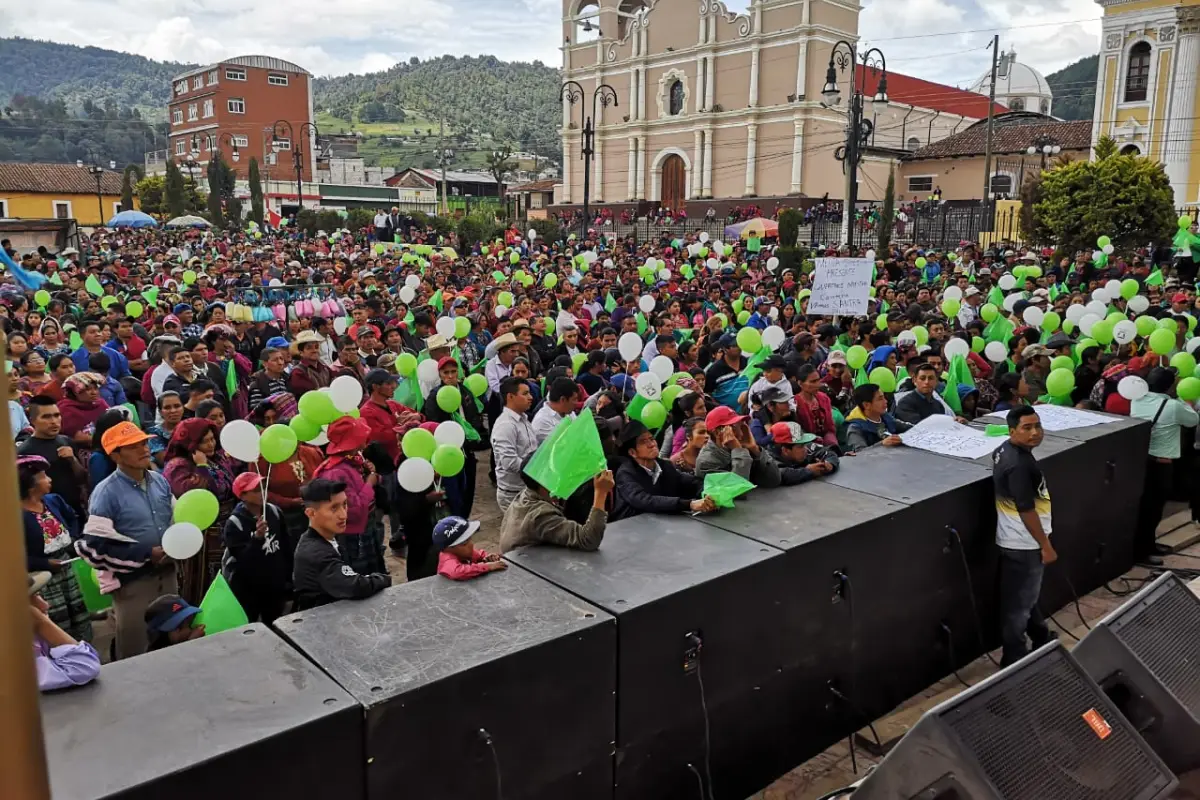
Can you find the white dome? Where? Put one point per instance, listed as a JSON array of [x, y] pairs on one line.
[[1014, 80]]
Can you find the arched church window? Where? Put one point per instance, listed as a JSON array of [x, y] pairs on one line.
[[676, 106], [1137, 75]]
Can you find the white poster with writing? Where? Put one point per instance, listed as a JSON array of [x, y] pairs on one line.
[[942, 435], [841, 286], [1059, 418]]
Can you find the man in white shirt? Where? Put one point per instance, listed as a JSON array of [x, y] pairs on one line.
[[499, 366], [381, 224], [968, 311], [513, 440], [561, 399]]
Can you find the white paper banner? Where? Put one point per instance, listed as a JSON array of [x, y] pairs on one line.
[[841, 286], [942, 435], [1058, 418]]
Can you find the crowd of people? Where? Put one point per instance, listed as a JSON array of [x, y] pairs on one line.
[[142, 345]]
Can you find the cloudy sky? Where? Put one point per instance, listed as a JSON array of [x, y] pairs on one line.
[[367, 35]]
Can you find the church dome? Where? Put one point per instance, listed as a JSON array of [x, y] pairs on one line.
[[1018, 86]]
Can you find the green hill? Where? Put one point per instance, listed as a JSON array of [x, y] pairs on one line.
[[1074, 89]]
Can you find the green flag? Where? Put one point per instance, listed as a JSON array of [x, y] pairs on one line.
[[56, 279], [996, 297], [220, 610], [436, 301], [1155, 279], [570, 456], [724, 487], [231, 379], [642, 325], [76, 341], [634, 409], [609, 303], [958, 374], [93, 286], [860, 378], [90, 586], [998, 330]]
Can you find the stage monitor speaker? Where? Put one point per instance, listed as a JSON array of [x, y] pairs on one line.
[[1146, 658], [1039, 730]]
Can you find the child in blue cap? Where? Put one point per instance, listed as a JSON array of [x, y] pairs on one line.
[[458, 559]]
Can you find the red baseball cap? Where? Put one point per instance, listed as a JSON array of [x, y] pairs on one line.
[[1179, 297], [721, 416], [246, 482]]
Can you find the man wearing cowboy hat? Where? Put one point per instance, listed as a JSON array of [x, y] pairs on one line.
[[310, 374], [438, 348]]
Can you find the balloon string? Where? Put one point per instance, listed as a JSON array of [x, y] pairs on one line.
[[266, 488]]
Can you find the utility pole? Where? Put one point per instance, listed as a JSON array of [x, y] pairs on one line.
[[443, 157], [991, 130]]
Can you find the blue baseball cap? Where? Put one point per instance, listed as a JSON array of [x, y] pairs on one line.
[[453, 530], [181, 307], [280, 342], [167, 613]]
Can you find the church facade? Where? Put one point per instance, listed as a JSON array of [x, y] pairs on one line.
[[1148, 86]]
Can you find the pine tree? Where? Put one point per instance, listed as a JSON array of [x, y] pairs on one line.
[[887, 217], [256, 193], [127, 181], [176, 201], [215, 192]]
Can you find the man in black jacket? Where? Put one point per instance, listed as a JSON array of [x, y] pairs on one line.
[[321, 576], [647, 484]]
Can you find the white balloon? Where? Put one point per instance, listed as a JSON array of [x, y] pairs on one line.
[[772, 263], [1109, 249], [664, 274], [906, 337], [1007, 282], [445, 326], [630, 346], [321, 439], [1113, 289], [773, 336], [347, 393], [646, 304], [718, 247], [1101, 296], [1087, 322], [501, 312], [532, 234], [651, 263], [414, 475], [955, 347], [773, 313], [413, 280], [1191, 345], [608, 263], [995, 352], [703, 237], [182, 540], [870, 254], [1076, 312], [276, 282], [339, 325], [647, 385], [1098, 308], [407, 294], [449, 432], [712, 263], [427, 371], [663, 368], [952, 293], [1010, 301], [1131, 387], [589, 256], [1033, 316], [240, 440], [1125, 332], [1139, 303]]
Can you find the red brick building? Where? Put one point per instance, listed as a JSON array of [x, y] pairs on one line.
[[236, 103]]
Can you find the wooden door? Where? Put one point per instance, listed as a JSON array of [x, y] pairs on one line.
[[674, 183]]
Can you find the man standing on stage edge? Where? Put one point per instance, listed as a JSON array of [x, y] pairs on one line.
[[1022, 533]]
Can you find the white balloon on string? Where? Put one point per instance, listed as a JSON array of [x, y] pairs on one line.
[[182, 540], [415, 475], [413, 280], [240, 440], [450, 433], [445, 327], [956, 347], [1191, 345], [703, 237], [1007, 282], [1098, 308], [1139, 304], [1075, 313], [1087, 322], [995, 352], [647, 303], [1113, 289], [1125, 332], [648, 386], [340, 325], [407, 294], [1010, 301], [1033, 316], [773, 336], [630, 346], [663, 368], [952, 293], [427, 371], [1131, 387]]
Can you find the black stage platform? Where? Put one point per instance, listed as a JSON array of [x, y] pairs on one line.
[[433, 662], [236, 716]]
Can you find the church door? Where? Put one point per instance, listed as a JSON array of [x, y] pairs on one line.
[[674, 183]]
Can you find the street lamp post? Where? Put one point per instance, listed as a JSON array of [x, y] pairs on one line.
[[235, 154], [606, 96], [297, 152], [97, 172], [1045, 145], [844, 57]]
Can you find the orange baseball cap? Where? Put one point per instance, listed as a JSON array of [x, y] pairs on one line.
[[121, 435]]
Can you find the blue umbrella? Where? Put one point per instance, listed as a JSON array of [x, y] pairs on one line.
[[132, 219]]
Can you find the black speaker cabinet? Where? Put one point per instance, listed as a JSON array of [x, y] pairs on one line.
[[436, 662], [1146, 657], [238, 716], [1039, 730]]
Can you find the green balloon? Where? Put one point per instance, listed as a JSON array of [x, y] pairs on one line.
[[476, 384], [199, 507], [921, 262], [1103, 242], [743, 317], [978, 344], [448, 461], [677, 377], [505, 299], [1188, 389], [1068, 327], [1102, 332], [1084, 344], [989, 312], [1060, 382], [550, 281], [449, 399], [654, 414], [922, 334], [1162, 341], [462, 327], [577, 361], [549, 326], [1184, 362], [41, 297], [737, 305], [1051, 321], [1146, 326], [670, 393], [1185, 222], [134, 309], [418, 443], [881, 322], [950, 308], [1129, 288], [306, 430], [515, 258], [1063, 362], [406, 364], [278, 443], [318, 407], [749, 339], [856, 356], [189, 277], [1115, 317], [1168, 324], [883, 378]]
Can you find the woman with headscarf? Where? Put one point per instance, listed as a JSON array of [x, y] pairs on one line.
[[345, 463], [460, 489], [690, 403], [51, 528], [52, 340], [286, 478], [195, 460], [81, 406], [814, 409]]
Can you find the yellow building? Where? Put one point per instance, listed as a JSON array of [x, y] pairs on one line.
[[59, 191], [1147, 92]]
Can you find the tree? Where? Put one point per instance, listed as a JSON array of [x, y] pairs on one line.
[[358, 218], [789, 227], [887, 217], [174, 191], [216, 214], [1127, 198], [150, 193], [256, 193], [128, 178], [498, 165]]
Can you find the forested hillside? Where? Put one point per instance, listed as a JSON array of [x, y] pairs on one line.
[[1074, 89]]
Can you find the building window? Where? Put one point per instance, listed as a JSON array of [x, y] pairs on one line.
[[181, 87], [210, 143], [192, 114], [208, 107], [281, 143], [180, 146], [116, 208], [277, 80], [3, 209], [676, 106], [241, 141], [62, 209], [1017, 104], [1044, 107], [1131, 150], [913, 144], [177, 116], [237, 105], [232, 74], [921, 184], [212, 78], [198, 82], [1137, 76], [1002, 185]]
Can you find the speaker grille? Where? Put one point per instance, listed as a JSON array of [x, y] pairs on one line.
[[1164, 634], [1032, 741]]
